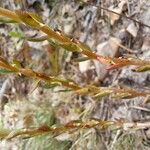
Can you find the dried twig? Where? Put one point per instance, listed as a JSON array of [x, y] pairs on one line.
[[136, 21]]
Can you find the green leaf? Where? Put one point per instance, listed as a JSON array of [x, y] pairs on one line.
[[50, 85], [71, 47], [16, 34], [37, 39], [5, 20], [143, 68], [45, 117], [66, 90], [46, 142], [4, 71], [16, 63], [102, 94]]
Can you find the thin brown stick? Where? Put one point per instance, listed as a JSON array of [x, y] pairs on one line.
[[136, 21]]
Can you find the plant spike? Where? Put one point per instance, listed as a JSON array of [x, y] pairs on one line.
[[91, 90], [74, 125], [62, 40], [36, 22]]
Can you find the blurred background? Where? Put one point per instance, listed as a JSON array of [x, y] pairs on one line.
[[26, 104]]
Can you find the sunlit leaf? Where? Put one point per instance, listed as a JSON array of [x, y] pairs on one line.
[[123, 96], [16, 63], [143, 68], [102, 94], [36, 17], [30, 19]]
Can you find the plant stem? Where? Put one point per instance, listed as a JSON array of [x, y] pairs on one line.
[[9, 14]]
